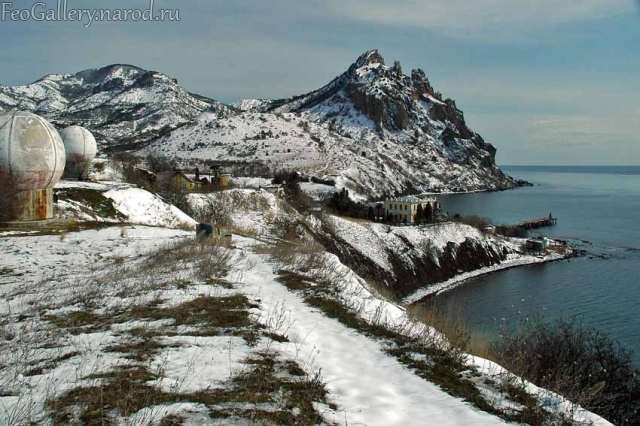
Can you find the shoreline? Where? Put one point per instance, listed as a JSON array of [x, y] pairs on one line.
[[458, 280], [519, 184]]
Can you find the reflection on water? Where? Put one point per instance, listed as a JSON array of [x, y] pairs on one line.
[[598, 211]]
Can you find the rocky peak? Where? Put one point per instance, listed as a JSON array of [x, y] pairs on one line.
[[369, 58]]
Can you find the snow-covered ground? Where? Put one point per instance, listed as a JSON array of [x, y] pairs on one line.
[[67, 319], [131, 204], [369, 386], [140, 206], [49, 277]]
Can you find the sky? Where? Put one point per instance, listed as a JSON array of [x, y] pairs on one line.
[[545, 81]]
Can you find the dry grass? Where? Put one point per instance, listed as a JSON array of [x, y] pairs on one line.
[[125, 391], [213, 257], [284, 386], [137, 291], [79, 322], [448, 320], [204, 311], [142, 345]]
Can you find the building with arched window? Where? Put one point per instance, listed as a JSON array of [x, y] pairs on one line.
[[405, 209]]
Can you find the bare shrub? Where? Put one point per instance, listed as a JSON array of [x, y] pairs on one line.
[[157, 162], [578, 362], [212, 257], [212, 210], [475, 221], [176, 196], [128, 163], [8, 192], [100, 167], [449, 321]]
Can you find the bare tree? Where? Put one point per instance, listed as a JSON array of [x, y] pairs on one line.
[[8, 192], [157, 162]]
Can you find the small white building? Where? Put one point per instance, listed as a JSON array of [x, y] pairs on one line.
[[537, 244], [489, 229]]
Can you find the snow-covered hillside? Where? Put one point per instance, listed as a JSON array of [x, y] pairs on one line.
[[134, 324], [115, 202], [120, 104]]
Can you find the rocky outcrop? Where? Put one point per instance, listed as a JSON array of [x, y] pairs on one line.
[[411, 267], [403, 109], [421, 84]]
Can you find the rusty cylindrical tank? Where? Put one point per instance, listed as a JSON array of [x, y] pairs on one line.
[[32, 159]]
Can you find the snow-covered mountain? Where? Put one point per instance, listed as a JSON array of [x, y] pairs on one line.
[[372, 129], [121, 104]]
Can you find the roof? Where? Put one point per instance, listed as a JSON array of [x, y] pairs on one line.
[[164, 177], [411, 199]]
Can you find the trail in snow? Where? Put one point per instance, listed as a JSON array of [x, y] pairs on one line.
[[371, 387]]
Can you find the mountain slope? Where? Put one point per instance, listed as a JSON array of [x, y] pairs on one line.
[[119, 103], [372, 129]]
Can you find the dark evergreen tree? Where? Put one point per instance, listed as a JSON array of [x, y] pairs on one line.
[[419, 217], [428, 213], [341, 203], [380, 212], [371, 214], [197, 174]]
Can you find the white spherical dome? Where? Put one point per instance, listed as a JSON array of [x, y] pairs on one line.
[[31, 150], [81, 149]]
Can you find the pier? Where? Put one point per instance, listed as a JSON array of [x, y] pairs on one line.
[[537, 223]]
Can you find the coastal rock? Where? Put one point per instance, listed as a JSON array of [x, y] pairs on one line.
[[406, 259]]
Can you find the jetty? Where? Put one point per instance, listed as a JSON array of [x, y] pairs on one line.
[[537, 223]]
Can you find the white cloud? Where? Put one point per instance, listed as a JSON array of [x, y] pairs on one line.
[[493, 19]]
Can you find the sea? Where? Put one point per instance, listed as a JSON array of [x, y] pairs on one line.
[[598, 211]]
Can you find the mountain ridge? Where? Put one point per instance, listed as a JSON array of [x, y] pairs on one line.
[[120, 103], [372, 129]]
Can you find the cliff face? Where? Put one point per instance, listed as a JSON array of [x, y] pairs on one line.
[[407, 259]]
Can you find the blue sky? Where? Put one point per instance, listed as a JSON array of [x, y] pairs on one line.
[[546, 82]]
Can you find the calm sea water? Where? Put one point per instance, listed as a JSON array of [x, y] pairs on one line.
[[598, 210]]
